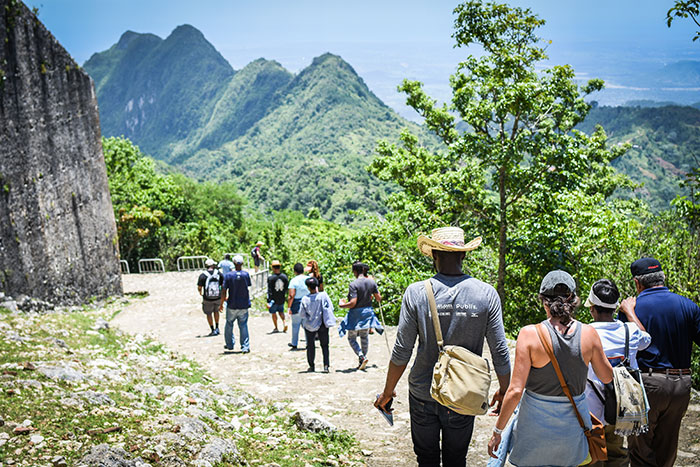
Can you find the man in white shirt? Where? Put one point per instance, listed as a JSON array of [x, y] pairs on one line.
[[603, 301]]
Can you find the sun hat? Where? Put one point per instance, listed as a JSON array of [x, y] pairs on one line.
[[593, 299], [259, 244], [555, 278], [275, 263], [645, 266], [238, 259], [209, 262], [446, 239]]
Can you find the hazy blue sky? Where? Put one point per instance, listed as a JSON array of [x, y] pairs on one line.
[[385, 40]]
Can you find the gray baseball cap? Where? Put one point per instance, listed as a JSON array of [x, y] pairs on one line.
[[554, 278]]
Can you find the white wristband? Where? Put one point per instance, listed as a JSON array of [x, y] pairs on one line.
[[497, 431]]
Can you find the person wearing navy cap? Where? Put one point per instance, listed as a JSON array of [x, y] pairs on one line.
[[673, 322]]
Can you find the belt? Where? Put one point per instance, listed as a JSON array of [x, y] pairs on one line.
[[668, 371]]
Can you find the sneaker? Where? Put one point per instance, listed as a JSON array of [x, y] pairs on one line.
[[292, 347], [310, 369], [326, 369], [245, 350], [212, 333], [363, 364], [285, 328], [228, 348], [275, 331], [216, 332]]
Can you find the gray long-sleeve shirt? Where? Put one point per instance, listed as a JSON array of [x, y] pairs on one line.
[[468, 309]]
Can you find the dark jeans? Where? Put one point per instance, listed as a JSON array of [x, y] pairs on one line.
[[428, 419], [668, 400], [311, 345]]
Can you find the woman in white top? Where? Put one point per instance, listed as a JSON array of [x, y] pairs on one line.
[[603, 301]]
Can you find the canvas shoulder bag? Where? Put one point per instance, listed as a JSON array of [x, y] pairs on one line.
[[595, 436], [461, 378]]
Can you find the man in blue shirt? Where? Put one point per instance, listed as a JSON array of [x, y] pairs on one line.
[[226, 265], [235, 294], [673, 322]]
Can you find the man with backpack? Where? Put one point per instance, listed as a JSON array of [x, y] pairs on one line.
[[673, 322], [468, 310], [209, 287], [621, 342], [257, 256]]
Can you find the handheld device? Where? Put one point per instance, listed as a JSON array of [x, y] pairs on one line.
[[389, 417]]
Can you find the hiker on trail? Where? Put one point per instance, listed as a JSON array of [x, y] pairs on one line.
[[547, 431], [603, 302], [469, 310], [316, 316], [256, 253], [360, 318], [209, 287], [673, 322], [277, 284], [297, 291], [234, 294], [313, 271], [225, 264]]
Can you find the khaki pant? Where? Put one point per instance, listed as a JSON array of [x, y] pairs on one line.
[[617, 453], [668, 401]]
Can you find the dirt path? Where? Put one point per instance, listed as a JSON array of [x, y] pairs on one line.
[[171, 314]]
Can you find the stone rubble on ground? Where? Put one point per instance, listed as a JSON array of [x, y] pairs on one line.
[[310, 421]]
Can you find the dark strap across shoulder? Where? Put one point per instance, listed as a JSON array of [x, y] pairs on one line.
[[562, 381]]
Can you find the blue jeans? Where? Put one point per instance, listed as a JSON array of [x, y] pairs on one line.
[[428, 419], [296, 324], [240, 315]]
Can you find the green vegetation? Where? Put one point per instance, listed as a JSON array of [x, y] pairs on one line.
[[133, 393]]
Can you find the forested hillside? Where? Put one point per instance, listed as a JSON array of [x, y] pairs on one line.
[[665, 142], [287, 141]]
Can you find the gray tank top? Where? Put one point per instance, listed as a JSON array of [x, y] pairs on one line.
[[567, 349]]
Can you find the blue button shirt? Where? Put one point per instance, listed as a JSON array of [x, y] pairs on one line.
[[226, 266], [673, 322], [237, 283]]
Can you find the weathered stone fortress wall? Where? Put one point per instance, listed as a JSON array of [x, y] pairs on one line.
[[58, 238]]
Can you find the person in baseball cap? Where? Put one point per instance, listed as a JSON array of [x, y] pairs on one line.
[[209, 287], [673, 322]]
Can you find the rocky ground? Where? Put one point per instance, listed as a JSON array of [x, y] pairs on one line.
[[77, 392]]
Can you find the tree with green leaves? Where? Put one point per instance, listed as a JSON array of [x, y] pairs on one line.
[[511, 146], [685, 9]]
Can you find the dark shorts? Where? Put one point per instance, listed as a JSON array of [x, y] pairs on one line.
[[210, 306], [275, 308], [257, 261]]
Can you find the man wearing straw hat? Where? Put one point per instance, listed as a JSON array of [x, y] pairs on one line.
[[468, 311]]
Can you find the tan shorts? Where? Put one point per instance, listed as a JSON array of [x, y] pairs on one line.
[[210, 306]]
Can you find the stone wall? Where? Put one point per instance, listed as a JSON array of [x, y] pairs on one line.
[[58, 238]]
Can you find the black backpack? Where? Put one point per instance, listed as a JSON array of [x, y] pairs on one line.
[[254, 252], [212, 287]]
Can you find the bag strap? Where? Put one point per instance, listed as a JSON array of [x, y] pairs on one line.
[[434, 314], [597, 391], [625, 362], [562, 381]]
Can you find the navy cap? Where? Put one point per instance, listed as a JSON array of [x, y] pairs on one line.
[[645, 266], [311, 282]]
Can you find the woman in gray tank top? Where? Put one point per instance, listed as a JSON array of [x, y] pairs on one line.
[[545, 430]]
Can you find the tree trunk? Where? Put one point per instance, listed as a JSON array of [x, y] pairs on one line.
[[502, 236]]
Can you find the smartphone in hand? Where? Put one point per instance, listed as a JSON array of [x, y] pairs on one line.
[[387, 412]]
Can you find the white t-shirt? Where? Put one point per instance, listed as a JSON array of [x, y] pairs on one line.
[[612, 336]]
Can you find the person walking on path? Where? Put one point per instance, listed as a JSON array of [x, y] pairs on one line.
[[256, 253], [234, 294], [226, 265], [603, 301], [297, 291], [313, 270], [673, 322], [360, 318], [317, 316], [209, 287], [277, 285], [469, 311], [547, 431]]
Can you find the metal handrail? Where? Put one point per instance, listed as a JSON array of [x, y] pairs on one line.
[[149, 265]]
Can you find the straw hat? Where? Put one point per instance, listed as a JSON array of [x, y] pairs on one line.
[[446, 239]]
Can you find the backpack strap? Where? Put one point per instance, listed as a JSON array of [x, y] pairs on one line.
[[562, 381], [434, 314], [625, 362]]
